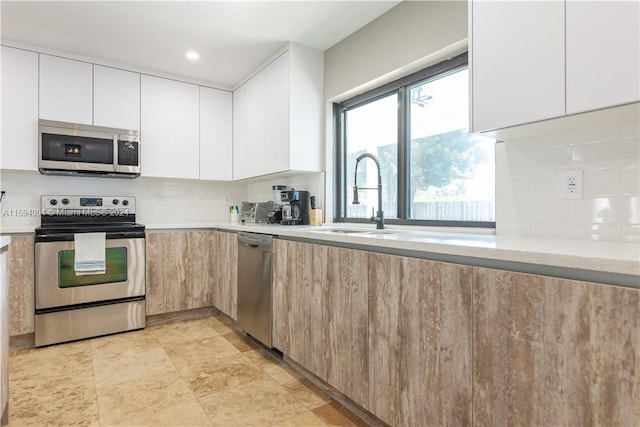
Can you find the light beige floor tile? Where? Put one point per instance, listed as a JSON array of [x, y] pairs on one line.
[[243, 344], [199, 351], [113, 345], [306, 419], [259, 403], [180, 332], [307, 393], [276, 369], [223, 329], [53, 386], [216, 375], [333, 414], [58, 361], [129, 364], [162, 398]]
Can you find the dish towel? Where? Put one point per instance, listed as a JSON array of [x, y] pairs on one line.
[[90, 251]]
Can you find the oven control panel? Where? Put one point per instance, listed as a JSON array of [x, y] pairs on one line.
[[108, 204]]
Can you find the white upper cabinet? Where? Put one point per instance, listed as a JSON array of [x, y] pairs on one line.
[[169, 127], [116, 98], [519, 50], [517, 62], [19, 109], [603, 54], [216, 145], [277, 118], [276, 132], [66, 90], [240, 140]]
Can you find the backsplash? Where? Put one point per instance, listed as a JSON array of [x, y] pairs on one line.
[[604, 145], [260, 191], [160, 202]]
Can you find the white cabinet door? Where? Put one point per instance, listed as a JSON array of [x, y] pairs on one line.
[[255, 122], [66, 90], [240, 143], [169, 126], [517, 62], [216, 145], [306, 100], [116, 98], [603, 54], [277, 137], [19, 109]]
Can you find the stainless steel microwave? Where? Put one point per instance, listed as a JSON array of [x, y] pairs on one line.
[[75, 149]]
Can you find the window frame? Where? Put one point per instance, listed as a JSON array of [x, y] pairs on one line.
[[401, 87]]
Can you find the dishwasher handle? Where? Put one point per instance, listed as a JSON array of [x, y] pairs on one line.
[[255, 241]]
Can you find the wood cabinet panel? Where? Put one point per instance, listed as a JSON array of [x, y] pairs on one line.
[[320, 313], [419, 341], [4, 338], [554, 352], [223, 272], [21, 285], [177, 271]]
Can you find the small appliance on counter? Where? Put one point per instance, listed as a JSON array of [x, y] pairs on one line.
[[275, 216], [255, 212], [296, 209]]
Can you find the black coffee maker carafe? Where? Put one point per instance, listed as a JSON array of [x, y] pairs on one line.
[[296, 209]]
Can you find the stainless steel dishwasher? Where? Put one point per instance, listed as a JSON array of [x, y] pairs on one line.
[[254, 285]]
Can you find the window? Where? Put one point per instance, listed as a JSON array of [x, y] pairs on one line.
[[434, 172]]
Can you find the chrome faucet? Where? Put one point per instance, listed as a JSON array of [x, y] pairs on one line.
[[379, 217]]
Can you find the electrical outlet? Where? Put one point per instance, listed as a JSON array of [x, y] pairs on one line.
[[572, 184], [227, 199], [161, 198]]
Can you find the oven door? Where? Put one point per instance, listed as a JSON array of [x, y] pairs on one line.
[[57, 285]]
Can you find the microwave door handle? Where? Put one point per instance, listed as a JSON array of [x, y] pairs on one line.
[[115, 152]]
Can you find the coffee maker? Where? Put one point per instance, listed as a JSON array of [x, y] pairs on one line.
[[296, 209], [275, 216]]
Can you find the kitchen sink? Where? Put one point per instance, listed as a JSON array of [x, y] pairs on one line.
[[355, 231]]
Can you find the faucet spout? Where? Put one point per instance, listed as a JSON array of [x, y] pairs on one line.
[[379, 218]]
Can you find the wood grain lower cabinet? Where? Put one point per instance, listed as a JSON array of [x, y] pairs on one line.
[[223, 271], [554, 352], [420, 324], [320, 313], [21, 285], [178, 271], [4, 337]]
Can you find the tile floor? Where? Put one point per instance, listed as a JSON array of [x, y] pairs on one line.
[[188, 373]]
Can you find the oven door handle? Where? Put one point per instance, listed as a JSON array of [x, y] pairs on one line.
[[68, 237]]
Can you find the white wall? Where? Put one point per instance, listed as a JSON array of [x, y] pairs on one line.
[[186, 202], [605, 145]]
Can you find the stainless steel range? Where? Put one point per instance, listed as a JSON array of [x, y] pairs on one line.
[[89, 268]]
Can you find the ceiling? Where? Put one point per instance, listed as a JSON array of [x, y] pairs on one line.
[[232, 37]]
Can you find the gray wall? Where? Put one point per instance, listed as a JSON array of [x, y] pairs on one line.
[[402, 40]]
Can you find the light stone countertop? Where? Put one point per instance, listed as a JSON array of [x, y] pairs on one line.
[[590, 255], [609, 257], [4, 241]]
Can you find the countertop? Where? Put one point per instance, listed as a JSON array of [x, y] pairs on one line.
[[588, 255], [598, 256], [4, 241]]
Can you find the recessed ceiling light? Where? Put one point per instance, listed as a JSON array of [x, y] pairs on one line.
[[192, 55]]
